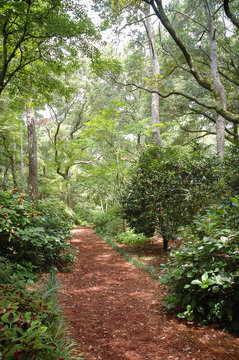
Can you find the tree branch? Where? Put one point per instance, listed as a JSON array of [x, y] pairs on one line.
[[159, 11], [229, 14], [189, 17], [225, 113], [200, 112], [198, 137]]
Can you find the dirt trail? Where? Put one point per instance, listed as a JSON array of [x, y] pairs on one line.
[[114, 313]]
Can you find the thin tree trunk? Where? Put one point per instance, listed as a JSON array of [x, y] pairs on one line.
[[69, 191], [219, 92], [124, 226], [5, 177], [44, 176], [155, 70], [101, 204], [13, 163], [138, 140], [235, 132], [22, 163], [32, 154]]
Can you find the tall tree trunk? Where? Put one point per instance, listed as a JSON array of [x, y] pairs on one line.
[[22, 164], [5, 177], [32, 153], [101, 204], [13, 163], [235, 133], [44, 176], [155, 70], [219, 91], [69, 191]]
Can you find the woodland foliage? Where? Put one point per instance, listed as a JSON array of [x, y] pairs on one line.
[[202, 274], [31, 325], [168, 188], [185, 196], [33, 239], [34, 233], [96, 162]]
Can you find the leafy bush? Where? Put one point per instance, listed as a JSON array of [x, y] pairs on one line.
[[13, 273], [82, 216], [231, 166], [168, 187], [130, 238], [30, 326], [34, 232], [58, 217], [105, 223], [202, 275]]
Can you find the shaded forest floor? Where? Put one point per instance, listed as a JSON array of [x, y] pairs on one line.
[[114, 311]]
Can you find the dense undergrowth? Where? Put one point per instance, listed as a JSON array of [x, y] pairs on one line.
[[31, 324], [185, 197], [33, 239], [202, 274], [34, 234]]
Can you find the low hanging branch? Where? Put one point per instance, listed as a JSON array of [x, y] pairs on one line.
[[198, 131], [200, 112], [206, 133], [225, 113], [198, 137]]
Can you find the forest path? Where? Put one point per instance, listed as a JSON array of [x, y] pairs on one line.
[[113, 311]]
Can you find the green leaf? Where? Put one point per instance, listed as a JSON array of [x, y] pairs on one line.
[[196, 282], [204, 277]]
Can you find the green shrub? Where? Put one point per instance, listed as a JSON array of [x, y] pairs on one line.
[[202, 275], [130, 238], [105, 223], [34, 232], [115, 210], [169, 187], [82, 215], [231, 166], [13, 273], [30, 326]]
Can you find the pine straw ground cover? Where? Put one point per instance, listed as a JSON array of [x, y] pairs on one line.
[[114, 309]]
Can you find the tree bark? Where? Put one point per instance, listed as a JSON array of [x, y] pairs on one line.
[[69, 191], [229, 14], [22, 164], [44, 177], [235, 133], [32, 154], [13, 163], [5, 177], [219, 91], [216, 86], [155, 70], [159, 11], [124, 226]]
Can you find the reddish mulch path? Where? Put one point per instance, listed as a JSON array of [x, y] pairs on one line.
[[113, 312]]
